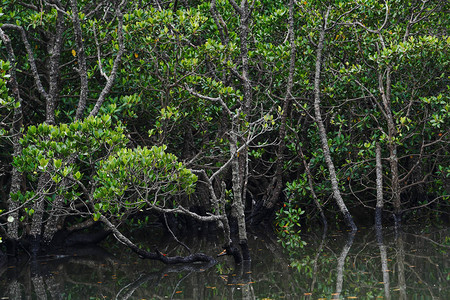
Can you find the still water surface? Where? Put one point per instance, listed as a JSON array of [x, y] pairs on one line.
[[412, 264]]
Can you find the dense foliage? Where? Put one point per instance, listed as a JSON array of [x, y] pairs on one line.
[[119, 103]]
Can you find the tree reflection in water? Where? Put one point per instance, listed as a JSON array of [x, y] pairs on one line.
[[384, 262], [401, 265], [372, 263], [341, 263]]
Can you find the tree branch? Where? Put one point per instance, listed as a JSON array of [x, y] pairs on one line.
[[157, 255], [81, 55], [31, 59], [117, 60]]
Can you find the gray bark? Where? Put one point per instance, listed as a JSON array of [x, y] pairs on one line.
[[14, 289], [379, 183], [55, 54], [112, 76], [16, 178], [322, 132], [238, 205], [53, 71], [51, 100], [56, 215], [239, 164], [39, 287], [44, 184], [384, 86]]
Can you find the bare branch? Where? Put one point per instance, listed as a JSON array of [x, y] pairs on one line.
[[212, 99], [100, 66], [31, 59], [117, 60], [236, 7], [379, 29]]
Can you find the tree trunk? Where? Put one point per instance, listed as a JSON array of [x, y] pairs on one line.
[[238, 205], [401, 279], [322, 132], [239, 165], [44, 183], [16, 178], [384, 87], [379, 180], [56, 213]]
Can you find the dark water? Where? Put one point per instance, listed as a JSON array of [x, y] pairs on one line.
[[413, 264]]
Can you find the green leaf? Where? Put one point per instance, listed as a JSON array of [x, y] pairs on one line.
[[43, 163], [96, 216], [57, 163]]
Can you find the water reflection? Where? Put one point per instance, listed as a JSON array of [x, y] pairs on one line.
[[333, 265], [341, 263], [384, 262], [316, 258], [401, 266]]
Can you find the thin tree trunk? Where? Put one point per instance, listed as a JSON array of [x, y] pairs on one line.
[[14, 289], [44, 185], [393, 159], [224, 221], [56, 215], [39, 287], [240, 162], [238, 205], [379, 180], [384, 87], [322, 132]]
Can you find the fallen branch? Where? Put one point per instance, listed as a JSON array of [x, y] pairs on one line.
[[157, 255]]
